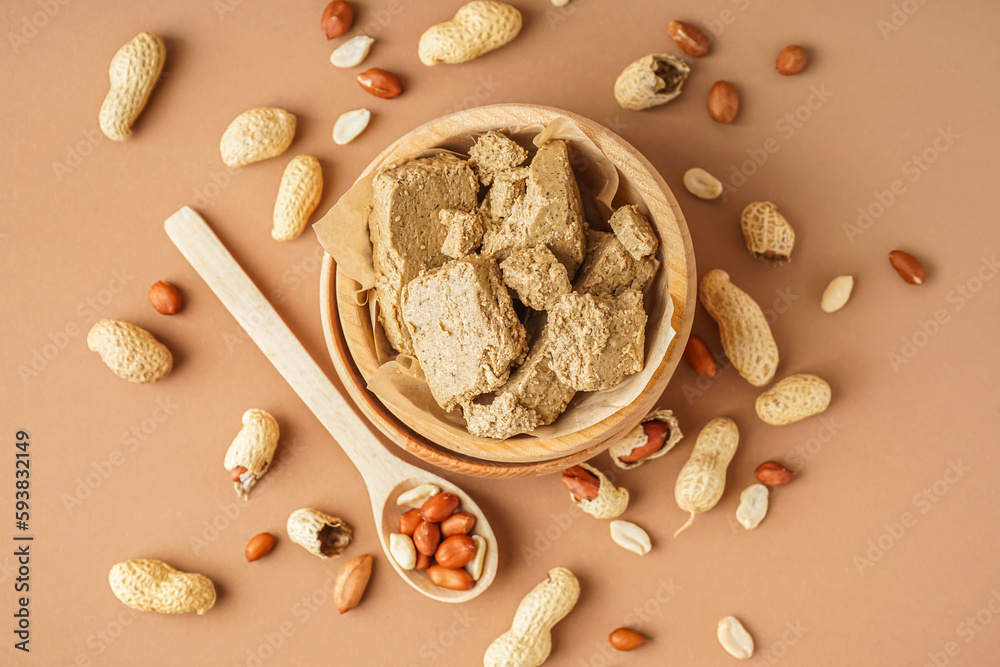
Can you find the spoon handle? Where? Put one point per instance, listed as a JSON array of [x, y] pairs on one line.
[[209, 257]]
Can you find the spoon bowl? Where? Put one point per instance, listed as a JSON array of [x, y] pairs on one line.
[[385, 475], [419, 579]]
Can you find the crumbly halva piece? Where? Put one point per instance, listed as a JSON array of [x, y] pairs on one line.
[[535, 385], [610, 269], [596, 340], [503, 418], [634, 231], [465, 232], [485, 214], [538, 278], [550, 212], [494, 152], [509, 187], [465, 332], [405, 229]]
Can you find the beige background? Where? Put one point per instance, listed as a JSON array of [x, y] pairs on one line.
[[122, 471]]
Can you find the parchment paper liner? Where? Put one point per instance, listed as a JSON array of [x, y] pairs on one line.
[[399, 382]]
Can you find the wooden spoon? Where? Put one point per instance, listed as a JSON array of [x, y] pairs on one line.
[[385, 476]]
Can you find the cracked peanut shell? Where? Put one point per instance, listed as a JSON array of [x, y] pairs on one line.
[[767, 232], [252, 448], [318, 533], [611, 501], [636, 438], [650, 81]]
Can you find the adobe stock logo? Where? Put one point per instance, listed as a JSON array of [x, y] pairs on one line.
[[923, 501], [970, 628], [958, 298], [88, 311], [786, 127], [913, 170], [899, 17], [30, 26]]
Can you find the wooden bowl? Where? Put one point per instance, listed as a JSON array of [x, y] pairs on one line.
[[347, 326]]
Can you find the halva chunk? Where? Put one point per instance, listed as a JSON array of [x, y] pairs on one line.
[[405, 229], [596, 340], [503, 418], [610, 269], [550, 212], [509, 187], [494, 152], [537, 277], [634, 231], [464, 232], [464, 330], [535, 385]]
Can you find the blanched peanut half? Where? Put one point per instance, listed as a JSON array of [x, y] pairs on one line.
[[629, 536], [350, 125], [416, 496], [753, 506], [475, 566], [735, 638], [837, 293], [702, 184], [352, 52], [402, 550]]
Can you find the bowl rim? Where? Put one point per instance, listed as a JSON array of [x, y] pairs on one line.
[[334, 286]]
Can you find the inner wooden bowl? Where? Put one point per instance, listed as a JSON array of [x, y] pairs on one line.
[[348, 326]]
